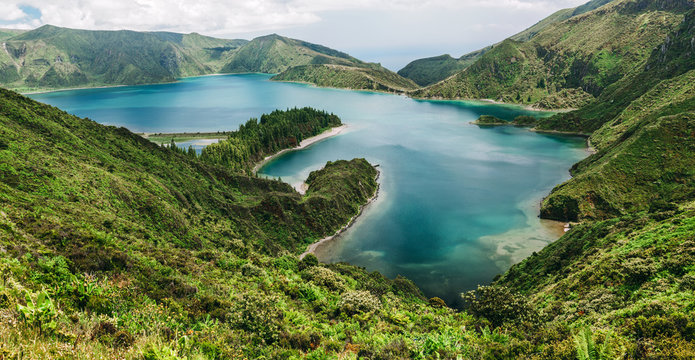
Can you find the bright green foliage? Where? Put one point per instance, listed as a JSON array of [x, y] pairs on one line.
[[276, 131], [588, 349], [645, 141], [364, 77], [39, 312]]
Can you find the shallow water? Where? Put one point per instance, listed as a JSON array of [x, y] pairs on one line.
[[458, 204]]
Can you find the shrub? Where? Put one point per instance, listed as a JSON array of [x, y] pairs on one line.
[[123, 339], [437, 302], [249, 269], [40, 313], [406, 287], [258, 314], [687, 283], [355, 302], [324, 277], [637, 270], [308, 261], [499, 305]]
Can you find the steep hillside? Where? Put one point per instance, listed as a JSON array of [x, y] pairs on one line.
[[585, 54], [431, 70], [646, 149], [114, 247], [629, 281], [52, 57], [371, 77]]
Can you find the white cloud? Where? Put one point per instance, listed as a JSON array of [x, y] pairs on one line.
[[10, 12], [371, 29], [229, 17]]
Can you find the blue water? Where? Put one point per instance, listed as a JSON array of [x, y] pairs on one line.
[[458, 204]]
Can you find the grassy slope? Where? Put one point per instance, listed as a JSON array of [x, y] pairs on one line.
[[431, 70], [587, 53], [149, 253], [627, 270], [351, 77], [52, 57], [295, 60], [644, 152], [629, 278], [273, 54]]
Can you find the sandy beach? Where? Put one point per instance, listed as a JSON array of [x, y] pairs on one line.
[[305, 143], [311, 248]]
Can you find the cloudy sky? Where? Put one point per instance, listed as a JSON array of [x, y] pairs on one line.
[[391, 32]]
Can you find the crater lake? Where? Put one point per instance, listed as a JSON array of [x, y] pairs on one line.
[[458, 204]]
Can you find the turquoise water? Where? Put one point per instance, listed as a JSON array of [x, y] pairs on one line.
[[458, 204]]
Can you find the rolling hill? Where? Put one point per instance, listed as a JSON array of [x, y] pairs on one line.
[[51, 58]]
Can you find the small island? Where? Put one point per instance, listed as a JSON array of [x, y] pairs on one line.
[[490, 120]]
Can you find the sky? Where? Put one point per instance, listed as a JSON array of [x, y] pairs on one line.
[[390, 32]]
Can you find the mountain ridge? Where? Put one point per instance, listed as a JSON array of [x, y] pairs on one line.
[[52, 57]]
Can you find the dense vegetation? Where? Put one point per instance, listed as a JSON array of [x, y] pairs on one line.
[[568, 63], [274, 132], [368, 77], [431, 70], [489, 120], [114, 247]]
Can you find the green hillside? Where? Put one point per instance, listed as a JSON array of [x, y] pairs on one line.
[[645, 149], [114, 247], [362, 77], [434, 69], [431, 70], [52, 57], [273, 54], [570, 62]]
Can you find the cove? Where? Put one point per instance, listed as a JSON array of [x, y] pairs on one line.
[[458, 204]]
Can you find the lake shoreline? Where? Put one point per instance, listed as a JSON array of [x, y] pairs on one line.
[[302, 145], [400, 93], [313, 246]]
